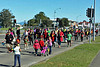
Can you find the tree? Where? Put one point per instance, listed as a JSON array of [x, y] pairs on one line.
[[45, 21], [96, 24], [63, 22], [6, 18], [31, 22]]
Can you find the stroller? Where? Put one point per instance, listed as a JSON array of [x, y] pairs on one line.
[[45, 51]]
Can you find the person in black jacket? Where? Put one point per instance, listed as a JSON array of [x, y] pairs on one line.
[[9, 38], [18, 32], [11, 30]]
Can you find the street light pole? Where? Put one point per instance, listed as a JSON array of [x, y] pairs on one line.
[[55, 13], [77, 18], [94, 22]]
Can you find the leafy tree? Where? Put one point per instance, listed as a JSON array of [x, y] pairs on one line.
[[96, 24], [6, 18], [63, 22], [45, 21], [31, 22]]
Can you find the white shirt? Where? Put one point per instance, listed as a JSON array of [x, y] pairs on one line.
[[16, 49], [26, 33]]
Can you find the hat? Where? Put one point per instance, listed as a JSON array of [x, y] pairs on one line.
[[36, 40]]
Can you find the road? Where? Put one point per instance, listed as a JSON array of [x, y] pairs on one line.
[[27, 56]]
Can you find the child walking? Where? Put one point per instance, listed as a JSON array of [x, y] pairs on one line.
[[41, 42], [26, 42], [50, 44], [36, 46], [17, 51]]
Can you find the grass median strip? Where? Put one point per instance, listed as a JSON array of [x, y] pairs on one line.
[[80, 56]]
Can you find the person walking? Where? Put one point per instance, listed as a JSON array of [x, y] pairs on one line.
[[82, 33], [60, 37], [17, 51], [41, 42], [18, 32], [50, 44], [8, 38], [12, 32], [31, 37], [53, 38], [26, 42], [36, 46], [69, 38], [45, 33]]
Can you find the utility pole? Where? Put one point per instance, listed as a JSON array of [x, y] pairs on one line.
[[94, 22], [98, 28], [90, 25]]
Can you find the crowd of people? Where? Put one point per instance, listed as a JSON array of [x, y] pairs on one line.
[[43, 35], [43, 39]]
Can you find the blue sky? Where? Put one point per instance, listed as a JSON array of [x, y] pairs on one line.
[[72, 9]]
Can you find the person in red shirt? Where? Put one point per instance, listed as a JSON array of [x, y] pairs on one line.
[[36, 46], [41, 42], [60, 37], [45, 35], [53, 38]]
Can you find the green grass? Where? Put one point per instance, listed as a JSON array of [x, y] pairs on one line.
[[5, 28], [80, 56]]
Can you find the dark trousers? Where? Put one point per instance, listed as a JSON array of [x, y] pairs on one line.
[[41, 48], [31, 41], [59, 42], [18, 35], [17, 56], [53, 44], [45, 39], [50, 49], [34, 36], [36, 50], [81, 38], [76, 37]]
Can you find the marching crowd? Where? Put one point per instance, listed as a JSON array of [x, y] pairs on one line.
[[43, 39]]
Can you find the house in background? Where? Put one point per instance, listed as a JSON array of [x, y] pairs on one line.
[[84, 24]]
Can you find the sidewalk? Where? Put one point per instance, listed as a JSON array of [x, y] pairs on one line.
[[56, 51], [28, 58], [96, 61]]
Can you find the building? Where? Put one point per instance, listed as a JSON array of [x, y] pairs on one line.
[[84, 24]]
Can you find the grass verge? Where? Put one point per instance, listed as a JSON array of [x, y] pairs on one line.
[[80, 56]]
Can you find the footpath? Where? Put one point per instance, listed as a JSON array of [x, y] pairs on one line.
[[27, 56], [96, 61]]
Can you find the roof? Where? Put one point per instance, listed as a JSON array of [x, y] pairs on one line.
[[83, 22]]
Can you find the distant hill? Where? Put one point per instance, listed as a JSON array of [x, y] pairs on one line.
[[21, 23]]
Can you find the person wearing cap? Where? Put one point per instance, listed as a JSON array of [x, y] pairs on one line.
[[17, 51], [36, 46]]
